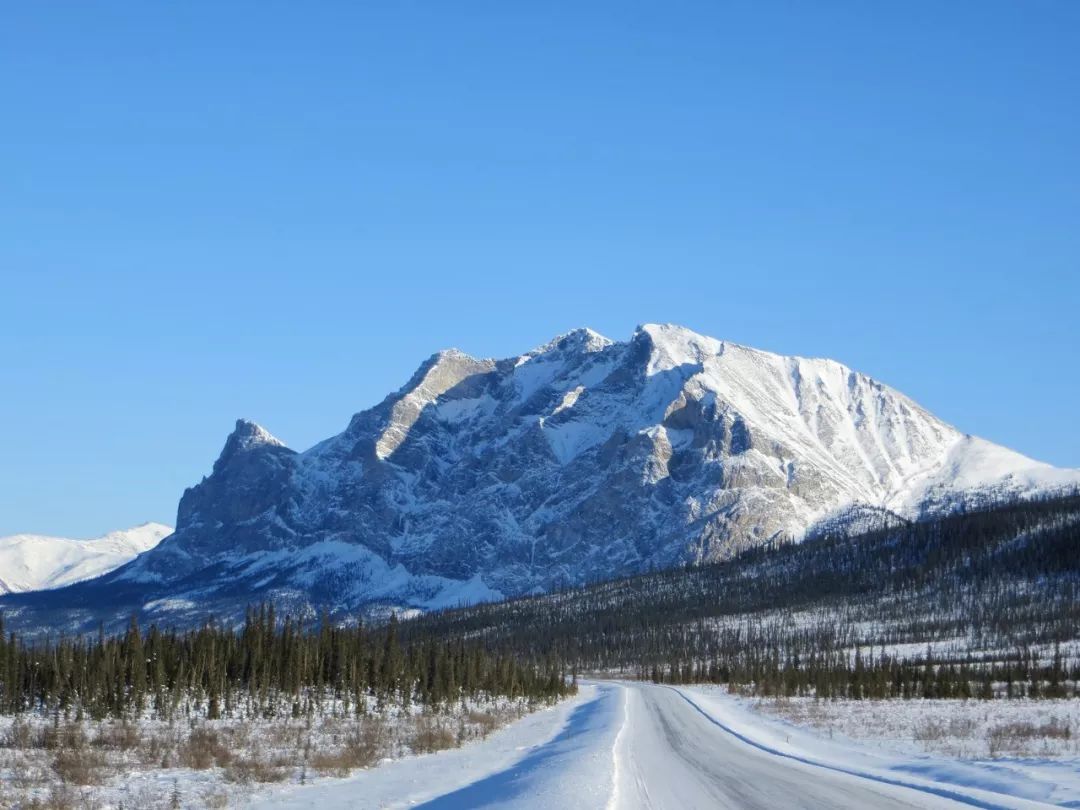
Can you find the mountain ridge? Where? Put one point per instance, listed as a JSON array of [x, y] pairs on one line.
[[32, 562], [583, 459]]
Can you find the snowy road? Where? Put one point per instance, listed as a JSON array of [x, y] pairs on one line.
[[628, 746], [673, 756]]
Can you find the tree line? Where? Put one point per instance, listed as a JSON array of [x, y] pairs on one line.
[[984, 601], [877, 677], [265, 668], [980, 603]]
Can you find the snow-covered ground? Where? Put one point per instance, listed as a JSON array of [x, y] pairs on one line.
[[626, 745], [623, 746], [962, 729], [191, 763], [945, 742], [555, 758]]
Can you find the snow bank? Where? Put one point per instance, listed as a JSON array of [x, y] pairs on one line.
[[1013, 784], [554, 758]]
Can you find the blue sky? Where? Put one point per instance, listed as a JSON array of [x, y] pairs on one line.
[[277, 210]]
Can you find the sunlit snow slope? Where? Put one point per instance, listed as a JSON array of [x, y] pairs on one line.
[[32, 562]]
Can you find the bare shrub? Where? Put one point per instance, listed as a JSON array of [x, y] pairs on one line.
[[796, 711], [20, 736], [285, 736], [242, 736], [118, 737], [486, 722], [154, 751], [362, 747], [204, 749], [962, 727], [328, 763], [1016, 738], [254, 768], [80, 766], [61, 797], [431, 735], [929, 730], [215, 800], [67, 735], [23, 773], [79, 760], [149, 797]]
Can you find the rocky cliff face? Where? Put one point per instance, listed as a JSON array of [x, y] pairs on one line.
[[583, 459]]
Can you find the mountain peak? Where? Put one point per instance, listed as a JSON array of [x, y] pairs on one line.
[[583, 339], [249, 435], [246, 437], [439, 374], [446, 363], [671, 345]]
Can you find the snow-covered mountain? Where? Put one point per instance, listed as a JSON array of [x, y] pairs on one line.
[[583, 459], [33, 562]]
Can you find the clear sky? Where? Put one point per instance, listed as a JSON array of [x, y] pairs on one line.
[[277, 209]]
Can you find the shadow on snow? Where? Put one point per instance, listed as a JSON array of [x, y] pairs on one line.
[[524, 778]]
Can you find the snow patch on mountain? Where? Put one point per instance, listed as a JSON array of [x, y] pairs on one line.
[[975, 469], [33, 562]]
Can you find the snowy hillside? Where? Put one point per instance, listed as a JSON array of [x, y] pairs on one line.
[[31, 562], [583, 459]]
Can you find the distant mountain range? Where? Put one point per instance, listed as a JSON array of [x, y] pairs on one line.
[[583, 459], [34, 562]]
